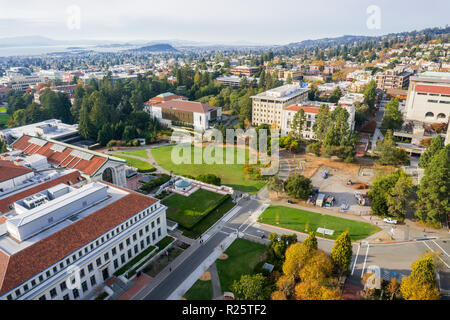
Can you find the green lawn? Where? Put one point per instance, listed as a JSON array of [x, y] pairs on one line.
[[137, 153], [136, 163], [201, 290], [243, 255], [198, 229], [296, 219], [4, 119], [188, 210], [231, 174]]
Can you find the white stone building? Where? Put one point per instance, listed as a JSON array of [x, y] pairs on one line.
[[63, 243]]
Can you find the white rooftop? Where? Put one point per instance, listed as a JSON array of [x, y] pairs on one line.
[[282, 93], [49, 129]]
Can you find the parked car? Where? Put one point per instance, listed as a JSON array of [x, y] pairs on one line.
[[291, 202], [391, 221]]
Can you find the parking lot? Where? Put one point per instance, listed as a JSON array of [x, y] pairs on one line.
[[336, 186]]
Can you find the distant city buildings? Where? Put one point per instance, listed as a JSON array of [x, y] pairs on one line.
[[245, 70], [234, 81]]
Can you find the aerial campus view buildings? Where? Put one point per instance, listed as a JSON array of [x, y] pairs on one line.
[[316, 170]]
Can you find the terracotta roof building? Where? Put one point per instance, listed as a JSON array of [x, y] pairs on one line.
[[181, 112], [63, 243], [95, 166]]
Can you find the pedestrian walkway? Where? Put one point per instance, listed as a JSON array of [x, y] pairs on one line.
[[139, 283], [215, 281]]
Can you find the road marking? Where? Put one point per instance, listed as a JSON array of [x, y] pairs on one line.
[[356, 259], [365, 260], [438, 256], [441, 249]]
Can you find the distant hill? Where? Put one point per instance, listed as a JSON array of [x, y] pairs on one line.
[[161, 47]]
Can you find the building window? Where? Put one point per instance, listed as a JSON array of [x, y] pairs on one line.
[[43, 297], [136, 249], [114, 251], [158, 221], [148, 240], [153, 224], [106, 256], [130, 254], [53, 293], [146, 228], [116, 264], [82, 273], [154, 236], [9, 297], [121, 246], [61, 265], [93, 281], [63, 286], [84, 286], [25, 287], [90, 267], [33, 283], [55, 269], [134, 237], [128, 241], [75, 293], [141, 233], [159, 232], [122, 258], [99, 261], [142, 244], [41, 278], [66, 297]]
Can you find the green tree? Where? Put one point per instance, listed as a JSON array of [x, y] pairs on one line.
[[336, 95], [370, 94], [298, 123], [250, 288], [433, 200], [275, 184], [397, 199], [342, 252], [436, 145], [311, 241], [298, 186], [210, 179], [421, 284], [322, 122], [381, 190], [393, 118], [388, 153]]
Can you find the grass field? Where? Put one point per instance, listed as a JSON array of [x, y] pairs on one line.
[[201, 290], [137, 153], [201, 227], [296, 219], [231, 174], [136, 163], [243, 255], [188, 210], [4, 119]]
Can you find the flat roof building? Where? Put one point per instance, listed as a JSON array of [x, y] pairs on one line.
[[267, 106]]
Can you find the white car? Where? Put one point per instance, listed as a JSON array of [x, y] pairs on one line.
[[391, 221]]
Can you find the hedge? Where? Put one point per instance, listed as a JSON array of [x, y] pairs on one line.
[[205, 213]]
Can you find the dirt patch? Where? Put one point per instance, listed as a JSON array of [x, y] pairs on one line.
[[223, 256], [385, 236], [206, 276]]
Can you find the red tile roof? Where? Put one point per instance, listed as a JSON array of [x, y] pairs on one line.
[[8, 170], [307, 108], [190, 106], [71, 177], [63, 159], [25, 264], [432, 89], [159, 99]]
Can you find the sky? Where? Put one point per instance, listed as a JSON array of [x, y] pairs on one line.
[[214, 21]]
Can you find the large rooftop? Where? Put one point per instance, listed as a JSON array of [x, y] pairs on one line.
[[282, 93], [19, 261], [432, 76]]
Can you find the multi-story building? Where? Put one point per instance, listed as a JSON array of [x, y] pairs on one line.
[[234, 81], [311, 110], [396, 78], [63, 243], [267, 107], [246, 71], [93, 166], [22, 83], [196, 114], [428, 103]]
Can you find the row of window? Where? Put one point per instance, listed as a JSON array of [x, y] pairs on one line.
[[117, 263], [69, 260]]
